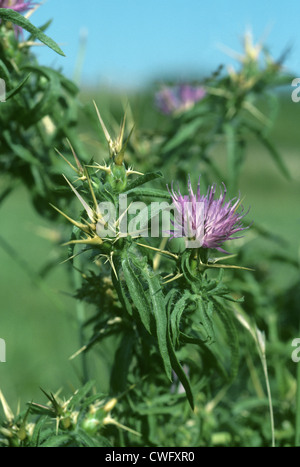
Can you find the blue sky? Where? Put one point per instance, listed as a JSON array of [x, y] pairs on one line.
[[131, 42]]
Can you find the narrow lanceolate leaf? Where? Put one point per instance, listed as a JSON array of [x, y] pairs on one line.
[[19, 20], [19, 150], [204, 312], [275, 155], [148, 177], [122, 360], [56, 441], [180, 372], [186, 132], [160, 316], [175, 310], [14, 91], [272, 150], [148, 192], [137, 293], [176, 314], [228, 321]]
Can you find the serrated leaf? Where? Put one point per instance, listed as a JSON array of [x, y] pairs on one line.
[[19, 20]]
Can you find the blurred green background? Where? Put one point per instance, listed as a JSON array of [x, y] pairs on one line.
[[38, 318]]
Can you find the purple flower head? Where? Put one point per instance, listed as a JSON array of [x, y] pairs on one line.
[[178, 98], [17, 5], [204, 221]]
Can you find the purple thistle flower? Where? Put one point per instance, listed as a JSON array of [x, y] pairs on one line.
[[178, 98], [17, 5], [206, 222], [20, 6]]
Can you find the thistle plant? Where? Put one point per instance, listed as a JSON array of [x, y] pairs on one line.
[[223, 108], [180, 98], [163, 314]]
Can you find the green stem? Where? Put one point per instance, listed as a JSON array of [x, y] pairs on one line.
[[265, 369]]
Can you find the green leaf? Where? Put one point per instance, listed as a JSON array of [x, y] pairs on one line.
[[271, 149], [228, 320], [121, 288], [148, 177], [235, 154], [51, 94], [37, 432], [14, 91], [149, 192], [81, 394], [150, 303], [137, 292], [19, 20], [180, 373], [160, 315], [150, 212], [175, 316], [95, 442], [183, 134], [55, 441], [122, 360], [274, 154], [19, 150], [204, 313], [174, 331]]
